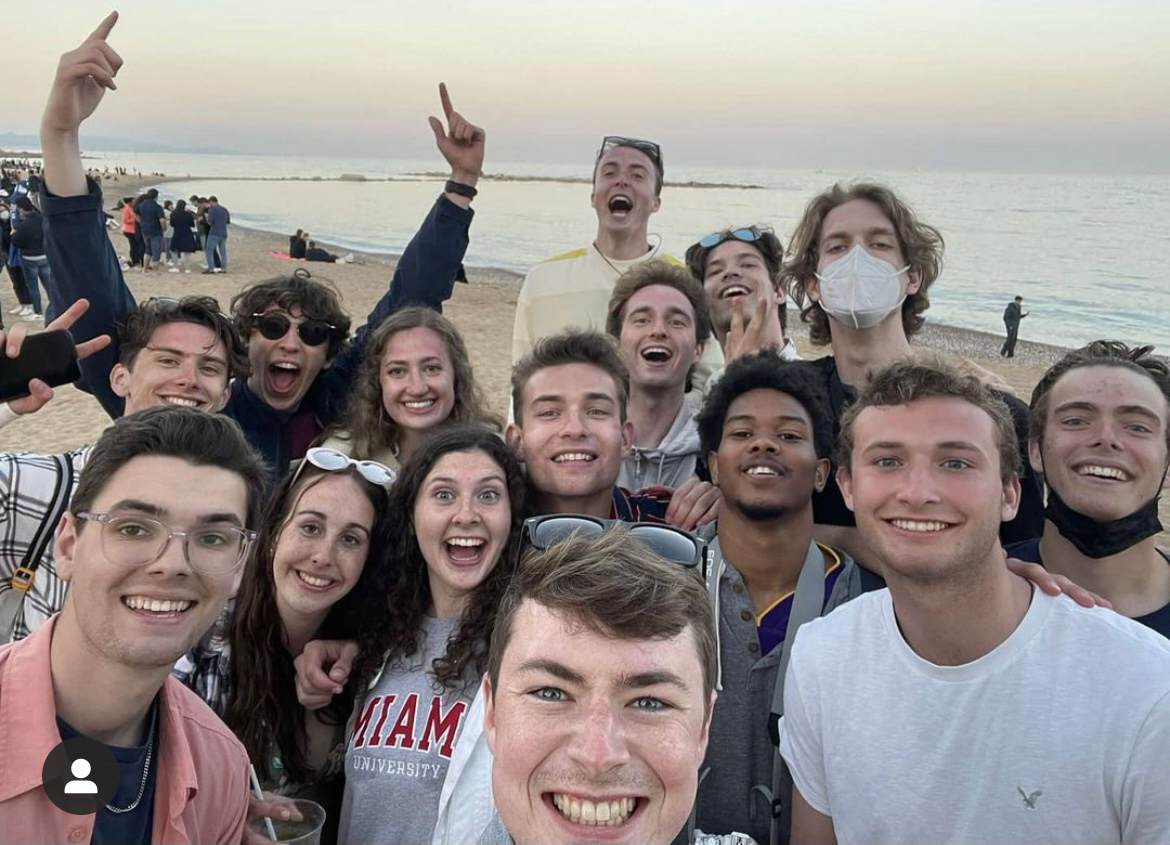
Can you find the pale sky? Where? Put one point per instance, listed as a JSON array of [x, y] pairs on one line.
[[901, 84]]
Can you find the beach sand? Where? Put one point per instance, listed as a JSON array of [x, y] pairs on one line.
[[482, 309]]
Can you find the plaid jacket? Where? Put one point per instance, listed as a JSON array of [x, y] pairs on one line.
[[28, 482]]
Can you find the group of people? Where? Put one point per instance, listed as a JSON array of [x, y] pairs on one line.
[[175, 230], [302, 247], [317, 552], [22, 237]]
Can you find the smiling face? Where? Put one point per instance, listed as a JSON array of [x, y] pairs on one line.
[[767, 465], [860, 222], [106, 606], [284, 369], [570, 434], [1104, 448], [184, 364], [594, 738], [462, 518], [623, 191], [659, 339], [417, 379], [735, 270], [321, 550], [926, 488]]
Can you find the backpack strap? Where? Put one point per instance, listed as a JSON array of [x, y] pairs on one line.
[[12, 599], [807, 604]]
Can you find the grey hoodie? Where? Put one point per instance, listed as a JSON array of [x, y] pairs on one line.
[[671, 462]]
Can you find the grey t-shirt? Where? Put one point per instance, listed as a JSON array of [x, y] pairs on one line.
[[400, 748]]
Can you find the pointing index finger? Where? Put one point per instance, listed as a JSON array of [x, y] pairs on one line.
[[105, 27], [445, 99]]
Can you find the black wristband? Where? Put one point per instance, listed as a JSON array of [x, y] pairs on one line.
[[453, 187]]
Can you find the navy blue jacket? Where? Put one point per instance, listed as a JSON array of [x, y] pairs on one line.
[[85, 265]]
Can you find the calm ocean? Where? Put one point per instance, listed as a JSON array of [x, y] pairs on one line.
[[1090, 254]]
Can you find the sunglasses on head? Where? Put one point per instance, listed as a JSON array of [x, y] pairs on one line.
[[274, 325], [330, 460], [650, 148], [748, 234], [673, 544]]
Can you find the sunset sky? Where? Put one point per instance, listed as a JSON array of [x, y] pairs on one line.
[[901, 84]]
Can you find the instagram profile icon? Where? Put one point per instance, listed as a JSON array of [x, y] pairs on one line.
[[80, 776]]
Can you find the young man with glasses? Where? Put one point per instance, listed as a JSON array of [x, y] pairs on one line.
[[739, 269], [153, 542], [767, 436], [301, 378], [179, 353], [573, 290], [961, 704], [569, 399]]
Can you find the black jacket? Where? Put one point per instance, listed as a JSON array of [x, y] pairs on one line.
[[29, 234]]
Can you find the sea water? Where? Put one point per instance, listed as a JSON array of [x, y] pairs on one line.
[[1090, 254]]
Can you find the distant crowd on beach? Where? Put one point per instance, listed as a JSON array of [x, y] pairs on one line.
[[694, 589], [174, 230]]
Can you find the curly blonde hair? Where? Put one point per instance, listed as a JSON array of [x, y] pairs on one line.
[[365, 421]]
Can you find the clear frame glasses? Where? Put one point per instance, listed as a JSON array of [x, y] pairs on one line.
[[135, 540]]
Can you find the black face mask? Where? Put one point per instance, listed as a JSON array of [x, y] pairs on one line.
[[1102, 539]]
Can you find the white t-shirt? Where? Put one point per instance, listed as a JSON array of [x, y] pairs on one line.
[[1061, 734]]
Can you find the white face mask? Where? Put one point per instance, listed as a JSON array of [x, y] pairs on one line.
[[4, 215], [860, 290]]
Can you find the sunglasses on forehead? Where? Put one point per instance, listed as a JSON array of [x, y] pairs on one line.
[[672, 544], [273, 325], [748, 234], [330, 460], [650, 148]]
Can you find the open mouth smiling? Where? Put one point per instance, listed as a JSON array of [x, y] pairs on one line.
[[589, 813], [734, 290], [1100, 471], [657, 354], [574, 457], [920, 526], [158, 607], [314, 581], [620, 204]]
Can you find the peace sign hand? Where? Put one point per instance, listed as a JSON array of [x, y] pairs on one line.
[[462, 144], [83, 75]]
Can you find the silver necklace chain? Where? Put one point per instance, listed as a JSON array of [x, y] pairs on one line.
[[145, 767]]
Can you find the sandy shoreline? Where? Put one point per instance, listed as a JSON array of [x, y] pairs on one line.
[[482, 309]]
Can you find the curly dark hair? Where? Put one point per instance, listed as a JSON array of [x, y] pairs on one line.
[[766, 370], [139, 326], [366, 423], [921, 244], [399, 618], [315, 299], [1099, 353], [262, 708]]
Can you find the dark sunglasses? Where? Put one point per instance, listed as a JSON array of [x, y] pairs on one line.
[[673, 544], [274, 325], [650, 148], [748, 234], [330, 460]]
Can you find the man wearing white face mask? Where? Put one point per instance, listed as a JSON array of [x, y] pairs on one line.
[[860, 266]]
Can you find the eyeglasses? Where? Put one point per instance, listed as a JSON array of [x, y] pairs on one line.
[[650, 148], [673, 544], [274, 325], [330, 460], [748, 234], [134, 540]]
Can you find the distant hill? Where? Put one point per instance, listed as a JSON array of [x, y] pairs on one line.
[[16, 141]]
